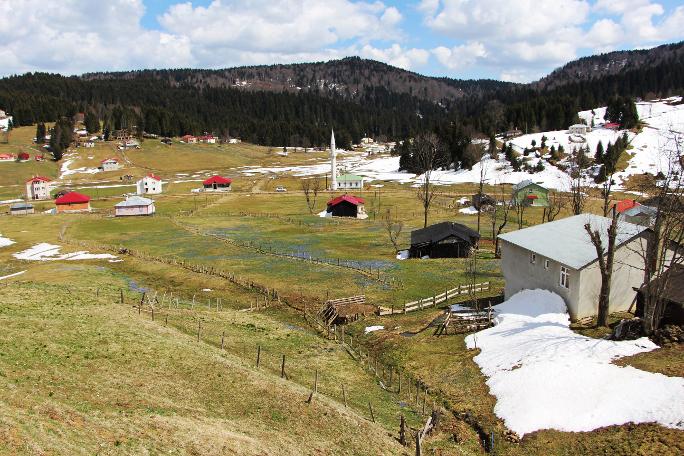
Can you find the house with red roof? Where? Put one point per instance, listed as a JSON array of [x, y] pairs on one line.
[[23, 157], [7, 157], [149, 184], [209, 139], [110, 164], [612, 126], [38, 188], [189, 139], [73, 202], [217, 184], [347, 206]]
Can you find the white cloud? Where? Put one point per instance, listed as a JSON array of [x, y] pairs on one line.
[[459, 57], [395, 55]]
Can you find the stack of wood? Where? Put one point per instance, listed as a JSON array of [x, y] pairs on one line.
[[462, 320], [345, 310]]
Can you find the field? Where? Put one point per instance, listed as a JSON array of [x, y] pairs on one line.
[[83, 372]]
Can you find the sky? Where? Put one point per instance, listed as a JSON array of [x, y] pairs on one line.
[[511, 40]]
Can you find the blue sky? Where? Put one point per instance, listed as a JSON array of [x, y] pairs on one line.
[[515, 40]]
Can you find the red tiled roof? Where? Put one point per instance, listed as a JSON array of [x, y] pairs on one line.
[[5, 156], [152, 176], [355, 200], [622, 206], [39, 179], [72, 198], [218, 180], [24, 156], [108, 159]]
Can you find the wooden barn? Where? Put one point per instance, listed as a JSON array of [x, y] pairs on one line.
[[671, 285], [347, 206], [443, 240]]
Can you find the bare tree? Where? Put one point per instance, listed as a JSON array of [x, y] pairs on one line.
[[427, 150], [605, 262], [556, 204], [311, 188], [393, 227], [505, 206], [665, 248], [519, 207]]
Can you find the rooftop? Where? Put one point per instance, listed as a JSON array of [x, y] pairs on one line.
[[566, 240], [134, 201], [439, 231]]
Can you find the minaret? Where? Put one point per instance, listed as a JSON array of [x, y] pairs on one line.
[[333, 162]]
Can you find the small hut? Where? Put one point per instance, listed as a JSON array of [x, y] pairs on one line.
[[217, 184], [73, 202], [443, 240], [134, 206], [347, 206], [21, 209]]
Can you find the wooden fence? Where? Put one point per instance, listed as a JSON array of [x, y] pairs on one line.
[[434, 300]]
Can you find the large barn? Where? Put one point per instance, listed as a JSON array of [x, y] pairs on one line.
[[347, 206], [443, 240]]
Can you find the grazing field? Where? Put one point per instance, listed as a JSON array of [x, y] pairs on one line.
[[96, 375]]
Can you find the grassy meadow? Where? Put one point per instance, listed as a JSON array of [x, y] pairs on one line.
[[83, 373]]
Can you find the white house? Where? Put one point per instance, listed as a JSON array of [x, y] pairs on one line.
[[579, 129], [38, 188], [134, 206], [558, 256], [129, 144], [88, 144], [366, 140], [110, 164], [149, 184], [4, 120], [349, 181]]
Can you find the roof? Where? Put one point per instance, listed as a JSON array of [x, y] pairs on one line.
[[23, 154], [39, 179], [440, 231], [72, 198], [110, 159], [522, 184], [349, 177], [355, 200], [152, 176], [134, 201], [674, 287], [566, 240], [21, 206], [622, 206], [218, 180], [579, 125], [640, 209]]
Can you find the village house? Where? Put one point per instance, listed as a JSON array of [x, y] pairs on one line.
[[6, 157], [129, 144], [79, 117], [633, 212], [209, 139], [670, 287], [88, 144], [347, 206], [512, 134], [558, 256], [73, 202], [349, 181], [579, 129], [443, 240], [23, 157], [110, 164], [217, 184], [149, 184], [38, 188], [189, 139], [527, 193], [121, 135], [134, 206], [21, 209], [366, 140]]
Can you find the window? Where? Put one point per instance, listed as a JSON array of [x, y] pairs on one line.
[[546, 264], [533, 258], [564, 277]]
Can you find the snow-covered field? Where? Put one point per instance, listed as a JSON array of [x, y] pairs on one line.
[[660, 117], [50, 252], [545, 376]]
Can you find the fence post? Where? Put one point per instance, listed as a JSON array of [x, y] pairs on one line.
[[282, 368], [344, 395], [402, 431], [419, 451], [223, 335], [121, 295], [370, 406], [399, 391], [258, 355], [199, 329]]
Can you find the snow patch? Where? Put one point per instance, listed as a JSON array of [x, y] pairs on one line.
[[370, 329], [4, 242], [402, 255], [50, 252], [545, 376], [468, 210]]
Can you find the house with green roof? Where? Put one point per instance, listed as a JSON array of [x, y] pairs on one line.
[[349, 181], [528, 193]]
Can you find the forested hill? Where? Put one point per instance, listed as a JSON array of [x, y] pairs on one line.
[[612, 63], [298, 104], [351, 78]]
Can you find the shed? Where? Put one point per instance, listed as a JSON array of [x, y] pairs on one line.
[[218, 183], [21, 209], [347, 206], [134, 206], [73, 202], [443, 240], [528, 193], [672, 294], [482, 200]]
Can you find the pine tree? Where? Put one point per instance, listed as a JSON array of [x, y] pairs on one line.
[[40, 133], [598, 157], [92, 122]]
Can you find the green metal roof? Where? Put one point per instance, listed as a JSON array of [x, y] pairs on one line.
[[349, 177]]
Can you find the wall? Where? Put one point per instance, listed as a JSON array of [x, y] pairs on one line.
[[520, 274], [73, 207], [134, 210]]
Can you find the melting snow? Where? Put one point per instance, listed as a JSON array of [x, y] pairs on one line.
[[468, 210], [50, 252], [402, 255], [4, 242], [545, 376], [370, 329]]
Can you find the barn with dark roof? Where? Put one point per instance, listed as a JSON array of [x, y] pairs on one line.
[[443, 240]]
